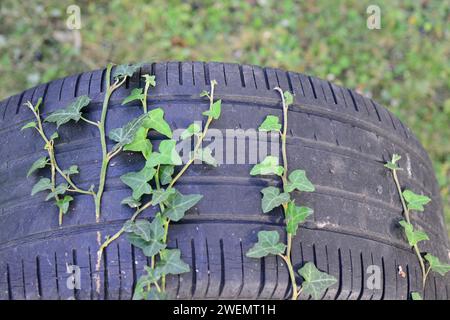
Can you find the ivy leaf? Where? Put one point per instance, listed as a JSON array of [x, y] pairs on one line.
[[72, 170], [165, 174], [167, 155], [436, 265], [294, 216], [299, 181], [190, 131], [155, 120], [272, 198], [146, 281], [271, 123], [138, 181], [268, 243], [131, 202], [288, 98], [136, 94], [161, 195], [150, 80], [31, 124], [315, 282], [38, 164], [71, 112], [393, 163], [178, 204], [205, 156], [413, 236], [268, 166], [125, 135], [148, 236], [214, 110], [54, 136], [126, 70], [41, 185], [416, 296], [204, 93], [140, 143], [60, 189], [171, 262], [63, 204], [415, 201]]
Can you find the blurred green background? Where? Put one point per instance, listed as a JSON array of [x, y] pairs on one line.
[[404, 66]]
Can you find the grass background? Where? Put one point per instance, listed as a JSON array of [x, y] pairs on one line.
[[404, 66]]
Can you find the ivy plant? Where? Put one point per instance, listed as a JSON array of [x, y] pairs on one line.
[[156, 180], [314, 282], [412, 201], [74, 112]]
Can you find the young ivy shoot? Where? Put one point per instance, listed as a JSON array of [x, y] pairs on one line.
[[314, 282], [415, 202]]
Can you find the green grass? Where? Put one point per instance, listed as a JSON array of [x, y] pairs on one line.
[[404, 66]]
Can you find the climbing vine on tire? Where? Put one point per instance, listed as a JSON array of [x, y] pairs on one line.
[[415, 202], [314, 282]]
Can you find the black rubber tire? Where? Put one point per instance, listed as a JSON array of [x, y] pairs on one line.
[[338, 136]]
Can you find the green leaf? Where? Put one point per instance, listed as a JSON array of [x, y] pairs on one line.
[[125, 135], [38, 104], [171, 262], [41, 185], [147, 281], [60, 189], [288, 98], [178, 204], [155, 120], [161, 195], [190, 131], [167, 155], [54, 136], [38, 164], [271, 123], [31, 124], [268, 166], [315, 282], [205, 156], [140, 143], [131, 202], [165, 174], [392, 164], [63, 204], [413, 236], [126, 70], [71, 112], [436, 265], [138, 181], [294, 216], [298, 180], [415, 201], [272, 198], [204, 93], [136, 94], [268, 243], [214, 110], [72, 170], [150, 80], [147, 236], [416, 296]]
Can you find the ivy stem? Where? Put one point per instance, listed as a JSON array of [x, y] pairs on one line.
[[287, 256], [106, 157], [406, 215]]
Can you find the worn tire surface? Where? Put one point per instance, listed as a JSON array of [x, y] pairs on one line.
[[338, 136]]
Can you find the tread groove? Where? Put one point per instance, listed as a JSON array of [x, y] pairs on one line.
[[362, 276], [194, 268], [8, 282], [222, 268], [19, 104], [38, 276], [332, 92], [353, 100], [242, 269], [312, 87], [208, 266], [91, 293]]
